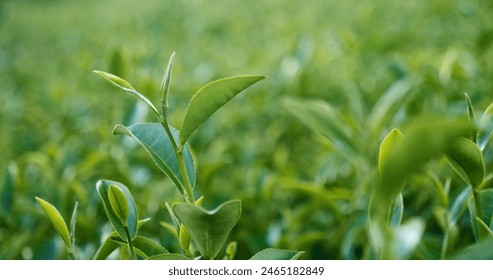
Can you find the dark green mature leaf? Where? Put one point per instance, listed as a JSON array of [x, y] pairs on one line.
[[131, 222], [459, 205], [277, 254], [153, 138], [57, 221], [126, 87], [466, 159], [209, 229], [143, 246], [486, 207], [484, 230], [479, 251], [210, 98], [322, 118]]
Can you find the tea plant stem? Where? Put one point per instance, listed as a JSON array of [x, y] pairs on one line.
[[72, 255], [130, 244], [181, 161], [477, 202], [443, 253]]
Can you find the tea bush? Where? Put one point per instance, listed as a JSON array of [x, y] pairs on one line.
[[299, 188]]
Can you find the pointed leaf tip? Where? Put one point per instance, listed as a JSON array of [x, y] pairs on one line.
[[56, 220], [211, 98]]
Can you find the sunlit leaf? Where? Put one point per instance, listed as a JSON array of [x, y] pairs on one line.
[[153, 138], [277, 254], [408, 237], [57, 221], [118, 203], [388, 146], [165, 84], [466, 159], [131, 221], [210, 98], [126, 87], [209, 229]]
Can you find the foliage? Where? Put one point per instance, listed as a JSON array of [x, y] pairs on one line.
[[365, 68]]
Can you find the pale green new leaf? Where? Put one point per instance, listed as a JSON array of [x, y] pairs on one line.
[[466, 159], [472, 117], [277, 254], [154, 139], [397, 212], [126, 87], [131, 221], [165, 84], [387, 147], [57, 221], [209, 229], [210, 98], [118, 203]]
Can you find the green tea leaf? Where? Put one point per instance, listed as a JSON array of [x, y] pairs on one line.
[[472, 117], [184, 237], [209, 229], [153, 138], [397, 211], [487, 210], [57, 221], [322, 118], [73, 222], [485, 130], [209, 99], [388, 146], [425, 138], [484, 230], [277, 254], [108, 247], [131, 221], [391, 100], [466, 159], [165, 84], [143, 246], [170, 257], [126, 87], [231, 250], [479, 251], [118, 203], [459, 205]]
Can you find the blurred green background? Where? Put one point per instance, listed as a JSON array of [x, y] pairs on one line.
[[298, 191]]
